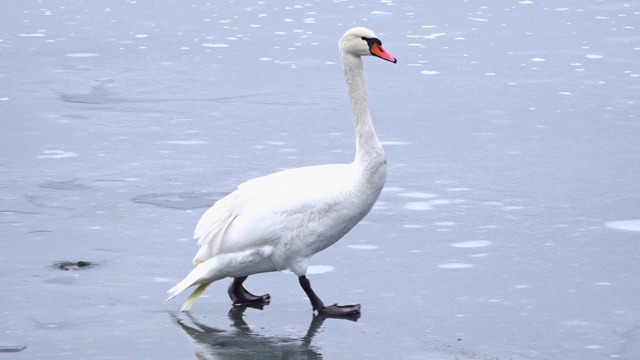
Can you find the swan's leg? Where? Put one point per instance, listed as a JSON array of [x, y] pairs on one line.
[[189, 303], [240, 295], [332, 310]]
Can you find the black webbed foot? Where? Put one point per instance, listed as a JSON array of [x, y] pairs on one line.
[[240, 295]]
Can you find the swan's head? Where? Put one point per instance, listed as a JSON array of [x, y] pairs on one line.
[[360, 41]]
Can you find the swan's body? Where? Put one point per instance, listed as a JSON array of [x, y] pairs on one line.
[[278, 221]]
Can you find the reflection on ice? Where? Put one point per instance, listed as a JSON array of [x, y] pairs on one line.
[[471, 244], [57, 154], [215, 45], [390, 142], [315, 269], [629, 225], [81, 55], [32, 35], [418, 195], [455, 266], [391, 189], [362, 247], [242, 342], [455, 189], [184, 142], [429, 205]]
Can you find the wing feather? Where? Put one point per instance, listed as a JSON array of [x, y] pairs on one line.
[[212, 226]]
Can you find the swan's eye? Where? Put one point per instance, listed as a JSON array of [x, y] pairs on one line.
[[372, 41]]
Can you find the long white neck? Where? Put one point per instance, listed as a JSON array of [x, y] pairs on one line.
[[369, 152]]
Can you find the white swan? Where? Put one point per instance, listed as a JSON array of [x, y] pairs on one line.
[[279, 221]]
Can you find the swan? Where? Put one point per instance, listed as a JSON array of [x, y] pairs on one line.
[[279, 221]]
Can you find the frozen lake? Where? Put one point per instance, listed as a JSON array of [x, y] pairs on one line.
[[509, 227]]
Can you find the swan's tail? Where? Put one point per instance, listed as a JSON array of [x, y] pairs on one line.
[[197, 276], [250, 261]]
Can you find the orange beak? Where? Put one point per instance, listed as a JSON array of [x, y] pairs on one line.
[[377, 50]]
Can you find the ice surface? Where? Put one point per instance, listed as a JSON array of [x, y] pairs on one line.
[[455, 266], [362, 247], [315, 269], [511, 133]]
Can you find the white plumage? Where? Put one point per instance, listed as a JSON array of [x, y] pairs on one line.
[[280, 220]]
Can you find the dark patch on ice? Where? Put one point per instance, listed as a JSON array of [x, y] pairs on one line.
[[75, 116], [72, 265], [99, 95], [181, 201], [7, 347], [39, 232], [64, 185], [61, 280]]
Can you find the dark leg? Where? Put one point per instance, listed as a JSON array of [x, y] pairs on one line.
[[332, 310], [240, 295]]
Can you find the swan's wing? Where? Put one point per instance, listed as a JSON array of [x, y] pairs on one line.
[[261, 210], [212, 226]]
